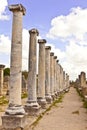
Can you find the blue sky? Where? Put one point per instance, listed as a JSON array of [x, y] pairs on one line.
[[62, 23]]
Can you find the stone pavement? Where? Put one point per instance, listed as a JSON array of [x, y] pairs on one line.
[[67, 115]]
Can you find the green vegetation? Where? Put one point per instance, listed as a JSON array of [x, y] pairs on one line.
[[3, 100], [7, 72], [24, 95], [25, 73]]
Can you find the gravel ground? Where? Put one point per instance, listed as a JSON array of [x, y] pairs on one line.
[[67, 115]]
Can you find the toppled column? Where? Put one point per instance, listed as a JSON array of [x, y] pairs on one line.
[[15, 114], [41, 74], [32, 107], [1, 78], [52, 75], [47, 74]]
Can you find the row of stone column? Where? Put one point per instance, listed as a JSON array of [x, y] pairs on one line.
[[51, 77]]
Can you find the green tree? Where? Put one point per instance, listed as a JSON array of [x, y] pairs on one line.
[[7, 72]]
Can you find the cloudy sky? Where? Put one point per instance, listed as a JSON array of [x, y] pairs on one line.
[[63, 23]]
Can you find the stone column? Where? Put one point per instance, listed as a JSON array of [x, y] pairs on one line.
[[55, 73], [57, 77], [47, 74], [15, 115], [83, 84], [67, 82], [1, 78], [52, 75], [61, 78], [64, 88], [41, 74], [32, 106]]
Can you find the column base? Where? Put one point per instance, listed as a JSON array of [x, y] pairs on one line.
[[14, 122], [53, 97], [42, 102], [56, 95], [15, 110], [33, 109], [49, 99]]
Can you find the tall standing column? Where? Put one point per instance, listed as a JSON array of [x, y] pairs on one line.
[[41, 73], [57, 77], [15, 107], [32, 106], [52, 75], [1, 78], [47, 74], [55, 57]]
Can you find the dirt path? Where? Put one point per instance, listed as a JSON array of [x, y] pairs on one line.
[[68, 115]]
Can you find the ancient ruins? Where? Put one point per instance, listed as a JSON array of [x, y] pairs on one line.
[[43, 89]]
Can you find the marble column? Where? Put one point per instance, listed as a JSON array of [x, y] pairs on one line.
[[47, 74], [52, 75], [55, 58], [32, 107], [41, 74], [15, 114], [1, 78]]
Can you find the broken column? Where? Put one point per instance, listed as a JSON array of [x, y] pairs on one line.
[[32, 107], [1, 79], [14, 116], [52, 75], [41, 74], [47, 74]]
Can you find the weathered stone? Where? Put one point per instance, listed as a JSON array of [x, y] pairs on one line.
[[41, 74], [55, 90], [32, 107], [15, 114], [47, 74], [14, 122], [1, 78], [52, 75]]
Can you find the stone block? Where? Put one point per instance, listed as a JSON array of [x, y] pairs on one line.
[[33, 110], [14, 122]]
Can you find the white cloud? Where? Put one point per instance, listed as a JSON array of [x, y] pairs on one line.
[[3, 5], [74, 24], [5, 44], [72, 30]]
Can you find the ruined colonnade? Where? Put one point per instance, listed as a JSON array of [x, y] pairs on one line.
[[51, 76]]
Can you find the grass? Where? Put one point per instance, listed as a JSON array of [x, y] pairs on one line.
[[48, 109], [3, 100], [24, 95]]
